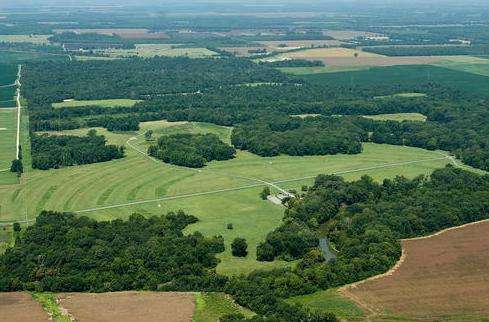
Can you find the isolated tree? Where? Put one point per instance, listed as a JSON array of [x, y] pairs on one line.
[[356, 55], [265, 252], [148, 135], [17, 167], [239, 247], [92, 133], [265, 193], [17, 227], [230, 226]]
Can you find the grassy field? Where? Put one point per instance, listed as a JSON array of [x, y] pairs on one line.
[[8, 134], [442, 277], [409, 77], [16, 57], [35, 39], [221, 193], [469, 64], [8, 74], [103, 103], [399, 117], [209, 307], [152, 50], [331, 301]]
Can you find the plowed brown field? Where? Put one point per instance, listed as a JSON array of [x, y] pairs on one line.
[[21, 307], [129, 306], [444, 275]]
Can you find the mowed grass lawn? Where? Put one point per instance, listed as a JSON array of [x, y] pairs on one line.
[[8, 134], [223, 192], [103, 103]]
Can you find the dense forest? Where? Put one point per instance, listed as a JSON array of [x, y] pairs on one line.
[[295, 136], [191, 150], [55, 151], [138, 78]]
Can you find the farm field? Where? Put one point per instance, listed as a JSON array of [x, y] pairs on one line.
[[34, 39], [469, 64], [15, 57], [221, 193], [152, 50], [440, 277], [345, 57], [127, 33], [8, 74], [103, 103], [407, 77], [129, 306], [348, 34], [279, 44], [21, 307], [398, 117]]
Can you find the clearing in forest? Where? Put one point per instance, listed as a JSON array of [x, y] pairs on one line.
[[440, 276], [103, 103], [399, 117]]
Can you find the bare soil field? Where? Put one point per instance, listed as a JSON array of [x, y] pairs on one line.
[[21, 307], [129, 306], [127, 33], [439, 276]]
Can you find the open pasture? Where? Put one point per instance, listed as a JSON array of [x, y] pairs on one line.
[[16, 57], [439, 277], [102, 103], [34, 39], [221, 193], [153, 50]]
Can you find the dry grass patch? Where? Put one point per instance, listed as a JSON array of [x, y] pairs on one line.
[[129, 306], [21, 307], [287, 44], [348, 34], [440, 276]]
